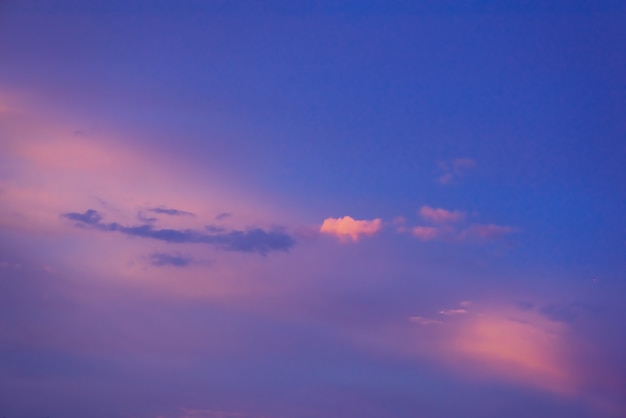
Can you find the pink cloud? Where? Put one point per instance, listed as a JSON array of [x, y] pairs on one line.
[[349, 228], [527, 350], [438, 215], [425, 233], [499, 344]]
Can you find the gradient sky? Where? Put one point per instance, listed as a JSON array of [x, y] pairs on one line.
[[312, 209]]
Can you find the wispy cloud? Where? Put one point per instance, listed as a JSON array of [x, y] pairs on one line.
[[423, 321], [251, 240], [439, 215], [165, 259], [451, 312], [89, 217], [222, 216], [425, 233], [348, 228], [171, 212], [453, 170]]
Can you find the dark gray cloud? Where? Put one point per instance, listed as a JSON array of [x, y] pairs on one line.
[[165, 259], [171, 212], [253, 240]]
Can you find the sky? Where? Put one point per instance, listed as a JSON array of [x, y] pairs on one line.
[[312, 209]]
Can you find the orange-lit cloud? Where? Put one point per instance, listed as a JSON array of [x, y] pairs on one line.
[[438, 215], [348, 228]]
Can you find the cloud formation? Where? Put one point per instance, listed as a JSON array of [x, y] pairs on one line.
[[254, 240], [348, 228], [439, 215]]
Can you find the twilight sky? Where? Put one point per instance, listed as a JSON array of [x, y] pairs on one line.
[[312, 209]]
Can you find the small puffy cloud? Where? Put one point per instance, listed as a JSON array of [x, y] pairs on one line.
[[439, 215], [349, 228], [425, 233], [453, 170], [489, 231], [423, 321]]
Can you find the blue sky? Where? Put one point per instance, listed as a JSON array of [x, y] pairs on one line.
[[312, 209]]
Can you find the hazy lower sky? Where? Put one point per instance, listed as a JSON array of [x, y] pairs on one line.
[[312, 209]]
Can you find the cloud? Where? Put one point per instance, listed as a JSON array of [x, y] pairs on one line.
[[453, 170], [489, 231], [438, 215], [171, 212], [527, 349], [425, 233], [348, 228], [450, 312], [222, 216], [423, 321], [90, 217], [164, 259], [251, 240], [399, 222]]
